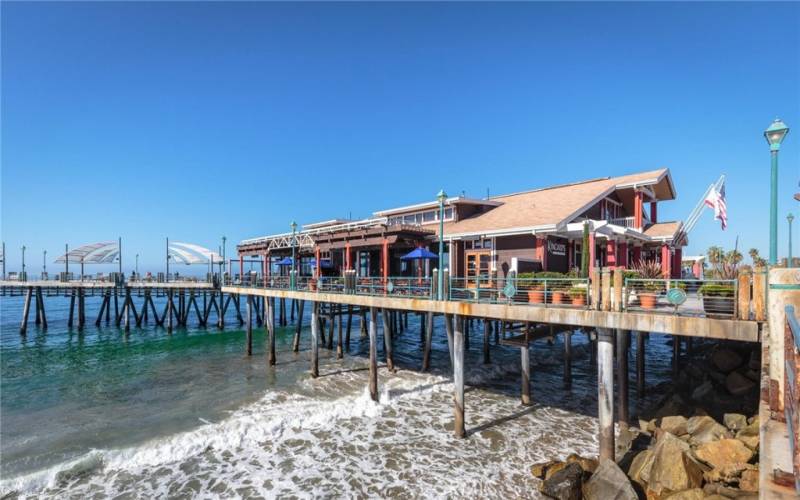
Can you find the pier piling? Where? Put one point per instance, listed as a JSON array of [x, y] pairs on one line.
[[622, 377], [23, 327], [298, 326], [269, 322], [640, 358], [426, 355], [458, 375], [567, 360], [387, 339], [605, 391], [525, 361], [315, 326], [373, 353], [249, 325], [486, 336]]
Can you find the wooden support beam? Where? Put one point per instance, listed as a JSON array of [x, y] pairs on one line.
[[605, 391], [315, 327], [249, 328], [486, 337], [676, 356], [72, 308], [37, 316], [373, 353], [81, 308], [298, 326], [458, 375], [126, 309], [221, 308], [339, 342], [42, 313], [349, 326], [568, 359], [387, 340], [332, 325], [448, 327], [623, 337], [426, 355], [170, 307], [23, 327], [269, 320], [640, 360], [103, 306], [363, 323], [525, 363], [116, 306]]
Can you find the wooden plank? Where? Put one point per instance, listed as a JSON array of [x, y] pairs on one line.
[[760, 295], [743, 290]]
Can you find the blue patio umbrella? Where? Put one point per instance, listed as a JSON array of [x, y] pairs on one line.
[[419, 253], [286, 261], [326, 264]]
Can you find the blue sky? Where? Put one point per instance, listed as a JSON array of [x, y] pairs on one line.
[[197, 120]]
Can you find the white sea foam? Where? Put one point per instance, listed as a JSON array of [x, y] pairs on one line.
[[343, 446]]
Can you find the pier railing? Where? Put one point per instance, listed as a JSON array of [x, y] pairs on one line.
[[711, 298], [556, 292], [791, 398], [743, 298]]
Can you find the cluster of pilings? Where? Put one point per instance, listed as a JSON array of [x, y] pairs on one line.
[[331, 325]]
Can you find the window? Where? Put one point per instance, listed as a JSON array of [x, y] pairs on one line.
[[429, 216]]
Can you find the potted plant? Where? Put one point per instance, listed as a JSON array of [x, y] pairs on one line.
[[578, 296], [718, 298], [554, 286], [648, 291], [312, 284]]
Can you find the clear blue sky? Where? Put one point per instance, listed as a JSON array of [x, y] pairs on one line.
[[197, 120]]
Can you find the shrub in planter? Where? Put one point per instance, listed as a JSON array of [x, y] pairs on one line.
[[578, 296], [718, 298], [536, 294]]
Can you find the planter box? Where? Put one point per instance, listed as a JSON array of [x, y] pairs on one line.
[[719, 305]]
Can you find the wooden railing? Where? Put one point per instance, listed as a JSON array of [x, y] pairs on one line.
[[791, 398]]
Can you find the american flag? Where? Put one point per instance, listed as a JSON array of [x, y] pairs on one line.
[[716, 201]]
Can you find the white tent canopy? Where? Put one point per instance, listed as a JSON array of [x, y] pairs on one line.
[[94, 253], [189, 253]]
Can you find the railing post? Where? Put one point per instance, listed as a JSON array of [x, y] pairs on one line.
[[759, 294], [434, 285], [618, 289], [595, 286], [446, 284], [605, 296], [743, 308]]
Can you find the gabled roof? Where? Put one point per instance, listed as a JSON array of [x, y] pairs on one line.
[[549, 208], [663, 229]]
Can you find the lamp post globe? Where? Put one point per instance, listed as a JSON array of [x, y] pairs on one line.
[[775, 134], [441, 197]]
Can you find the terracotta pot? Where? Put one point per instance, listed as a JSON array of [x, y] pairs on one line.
[[558, 297], [579, 300], [647, 300], [312, 286], [536, 296]]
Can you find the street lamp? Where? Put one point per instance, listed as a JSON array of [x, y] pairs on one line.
[[442, 196], [44, 261], [790, 219], [293, 225], [137, 265], [774, 134], [24, 278]]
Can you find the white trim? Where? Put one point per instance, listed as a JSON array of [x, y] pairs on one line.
[[455, 200]]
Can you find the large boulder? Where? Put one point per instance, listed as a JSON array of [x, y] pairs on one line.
[[749, 480], [705, 429], [693, 494], [702, 391], [639, 471], [724, 453], [749, 435], [726, 360], [734, 421], [728, 473], [672, 469], [608, 483], [565, 484], [739, 385], [587, 464], [675, 425]]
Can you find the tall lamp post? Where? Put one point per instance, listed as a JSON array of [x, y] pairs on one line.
[[293, 225], [137, 265], [442, 196], [774, 134], [790, 219], [24, 278], [166, 278], [44, 262]]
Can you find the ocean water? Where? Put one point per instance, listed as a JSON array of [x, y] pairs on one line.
[[99, 414]]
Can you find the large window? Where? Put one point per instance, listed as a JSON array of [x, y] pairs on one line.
[[419, 218]]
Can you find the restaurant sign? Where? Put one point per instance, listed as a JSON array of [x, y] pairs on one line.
[[556, 248]]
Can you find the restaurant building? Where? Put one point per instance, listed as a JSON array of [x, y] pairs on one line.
[[528, 231]]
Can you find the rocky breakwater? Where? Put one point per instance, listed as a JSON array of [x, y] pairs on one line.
[[711, 454]]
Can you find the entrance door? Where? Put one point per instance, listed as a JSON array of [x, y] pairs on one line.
[[479, 265]]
